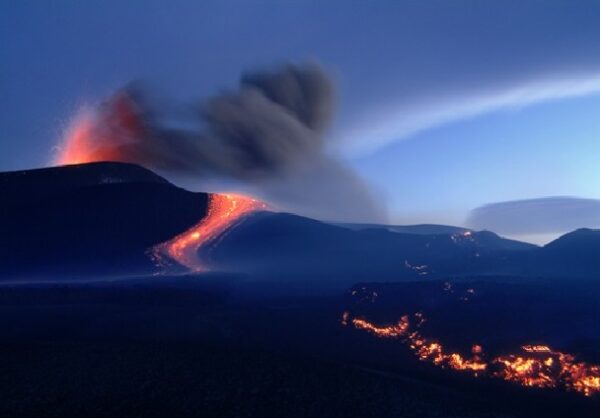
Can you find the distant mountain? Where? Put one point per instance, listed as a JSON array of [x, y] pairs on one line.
[[422, 229], [286, 245], [582, 241], [491, 240], [485, 239], [576, 253], [91, 219]]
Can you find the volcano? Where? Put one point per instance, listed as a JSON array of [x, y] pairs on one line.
[[92, 219], [118, 218], [112, 252]]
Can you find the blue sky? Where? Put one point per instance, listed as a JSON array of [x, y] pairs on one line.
[[443, 106], [544, 150]]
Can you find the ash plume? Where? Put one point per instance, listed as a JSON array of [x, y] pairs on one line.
[[269, 135]]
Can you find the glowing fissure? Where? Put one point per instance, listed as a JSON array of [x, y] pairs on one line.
[[223, 211], [534, 365]]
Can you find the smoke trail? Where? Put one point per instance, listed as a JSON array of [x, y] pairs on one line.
[[269, 134]]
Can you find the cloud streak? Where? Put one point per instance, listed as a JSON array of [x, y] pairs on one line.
[[537, 216], [390, 123]]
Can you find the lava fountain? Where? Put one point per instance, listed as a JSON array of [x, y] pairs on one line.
[[84, 143], [88, 140]]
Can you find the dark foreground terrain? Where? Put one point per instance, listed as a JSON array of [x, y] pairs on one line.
[[90, 325], [209, 346]]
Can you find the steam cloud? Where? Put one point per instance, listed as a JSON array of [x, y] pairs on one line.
[[269, 134]]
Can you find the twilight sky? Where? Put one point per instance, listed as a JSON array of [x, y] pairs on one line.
[[444, 106]]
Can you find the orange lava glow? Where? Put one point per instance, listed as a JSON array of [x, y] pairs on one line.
[[534, 365], [223, 211], [390, 331], [78, 147], [87, 141], [93, 138]]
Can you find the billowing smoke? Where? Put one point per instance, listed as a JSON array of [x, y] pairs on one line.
[[269, 134]]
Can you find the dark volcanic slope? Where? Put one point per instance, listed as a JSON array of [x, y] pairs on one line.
[[289, 245], [197, 347], [284, 245], [573, 254], [19, 188], [93, 218], [422, 229]]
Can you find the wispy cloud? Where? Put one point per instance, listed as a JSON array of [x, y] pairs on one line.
[[537, 216], [393, 122]]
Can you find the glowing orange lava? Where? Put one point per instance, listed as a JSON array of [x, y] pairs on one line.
[[87, 141], [78, 148], [102, 137], [223, 211], [389, 331], [534, 366]]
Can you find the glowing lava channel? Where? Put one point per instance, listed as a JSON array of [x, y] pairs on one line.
[[223, 211], [534, 366]]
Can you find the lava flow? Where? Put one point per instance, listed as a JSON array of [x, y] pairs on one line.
[[533, 366], [223, 211], [85, 142]]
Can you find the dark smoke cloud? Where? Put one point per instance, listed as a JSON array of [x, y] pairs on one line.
[[537, 216], [268, 134]]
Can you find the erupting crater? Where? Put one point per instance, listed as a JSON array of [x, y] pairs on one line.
[[87, 142]]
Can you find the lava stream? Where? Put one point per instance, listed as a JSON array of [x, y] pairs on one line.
[[223, 211], [88, 141], [533, 366]]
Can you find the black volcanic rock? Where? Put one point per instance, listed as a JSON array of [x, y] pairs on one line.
[[89, 219]]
